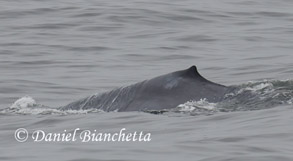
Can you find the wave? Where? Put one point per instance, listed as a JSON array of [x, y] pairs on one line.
[[253, 95], [27, 105]]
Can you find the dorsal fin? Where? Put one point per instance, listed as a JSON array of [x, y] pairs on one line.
[[193, 73]]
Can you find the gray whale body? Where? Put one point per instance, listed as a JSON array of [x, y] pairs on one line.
[[160, 93]]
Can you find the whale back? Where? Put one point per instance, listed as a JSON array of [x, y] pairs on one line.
[[170, 90], [162, 92]]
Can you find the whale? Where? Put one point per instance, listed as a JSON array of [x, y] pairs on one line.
[[160, 93]]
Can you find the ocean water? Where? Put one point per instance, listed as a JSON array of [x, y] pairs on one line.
[[55, 52]]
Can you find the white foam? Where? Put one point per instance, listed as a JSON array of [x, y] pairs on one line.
[[201, 104], [266, 87], [229, 95], [27, 105], [24, 102], [256, 87], [259, 86], [290, 102]]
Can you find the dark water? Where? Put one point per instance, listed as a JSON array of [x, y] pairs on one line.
[[59, 51]]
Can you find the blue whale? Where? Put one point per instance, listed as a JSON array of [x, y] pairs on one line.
[[159, 93]]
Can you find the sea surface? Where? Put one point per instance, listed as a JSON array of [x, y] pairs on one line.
[[55, 52]]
